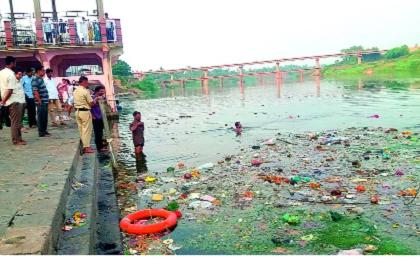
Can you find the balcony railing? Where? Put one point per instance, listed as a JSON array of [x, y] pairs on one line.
[[70, 30]]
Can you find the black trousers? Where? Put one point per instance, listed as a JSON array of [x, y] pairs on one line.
[[98, 129], [48, 37], [31, 109], [4, 117], [42, 118]]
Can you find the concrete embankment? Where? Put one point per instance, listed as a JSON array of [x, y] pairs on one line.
[[43, 184]]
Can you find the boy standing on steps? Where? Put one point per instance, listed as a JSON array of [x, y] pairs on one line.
[[137, 129]]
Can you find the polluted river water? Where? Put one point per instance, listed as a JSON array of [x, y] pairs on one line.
[[194, 126]]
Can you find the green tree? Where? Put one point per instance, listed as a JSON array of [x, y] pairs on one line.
[[121, 68], [397, 52]]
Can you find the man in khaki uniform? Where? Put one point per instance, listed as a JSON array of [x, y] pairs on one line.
[[82, 103]]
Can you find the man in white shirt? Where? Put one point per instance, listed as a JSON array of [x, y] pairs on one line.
[[13, 97], [54, 104]]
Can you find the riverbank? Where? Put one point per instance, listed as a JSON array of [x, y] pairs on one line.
[[311, 193], [33, 188], [403, 67]]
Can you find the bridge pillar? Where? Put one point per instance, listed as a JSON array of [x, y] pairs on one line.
[[359, 58], [261, 79], [241, 76], [278, 71], [205, 79], [301, 75], [182, 83], [317, 67], [221, 82]]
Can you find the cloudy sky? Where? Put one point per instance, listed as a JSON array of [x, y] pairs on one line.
[[178, 33]]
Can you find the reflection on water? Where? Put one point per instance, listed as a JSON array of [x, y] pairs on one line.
[[141, 165], [195, 125]]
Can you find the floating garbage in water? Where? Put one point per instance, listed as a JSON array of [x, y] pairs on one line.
[[374, 116], [256, 162], [208, 198], [351, 252], [43, 186], [360, 188], [170, 169], [157, 197], [206, 166], [200, 204], [408, 193], [150, 179], [172, 206], [399, 173]]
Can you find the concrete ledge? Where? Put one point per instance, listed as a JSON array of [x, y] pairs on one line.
[[34, 192]]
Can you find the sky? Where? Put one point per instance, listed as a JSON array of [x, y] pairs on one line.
[[178, 33]]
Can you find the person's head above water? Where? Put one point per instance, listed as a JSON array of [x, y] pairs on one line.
[[137, 115], [238, 124]]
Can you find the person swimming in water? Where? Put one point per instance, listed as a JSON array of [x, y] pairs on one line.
[[238, 128]]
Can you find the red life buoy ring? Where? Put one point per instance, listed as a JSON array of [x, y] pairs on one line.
[[127, 225]]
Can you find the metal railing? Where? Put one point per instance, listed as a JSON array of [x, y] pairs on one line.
[[86, 32]]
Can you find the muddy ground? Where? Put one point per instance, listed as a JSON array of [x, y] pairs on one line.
[[311, 193]]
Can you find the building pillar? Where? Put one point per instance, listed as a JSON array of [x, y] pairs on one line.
[[100, 9], [221, 82], [118, 31], [9, 35], [109, 87], [72, 31], [301, 75], [38, 23], [182, 83], [102, 25], [359, 58]]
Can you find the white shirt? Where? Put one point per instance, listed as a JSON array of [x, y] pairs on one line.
[[51, 88], [8, 82]]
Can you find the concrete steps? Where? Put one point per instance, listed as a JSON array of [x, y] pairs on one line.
[[79, 240], [100, 234]]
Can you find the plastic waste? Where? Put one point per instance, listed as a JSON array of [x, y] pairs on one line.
[[172, 206], [408, 193], [187, 176], [200, 205], [256, 162], [157, 197], [150, 179], [374, 116], [360, 188], [208, 198], [170, 169], [314, 185], [206, 166], [374, 199], [195, 173], [351, 252], [399, 173]]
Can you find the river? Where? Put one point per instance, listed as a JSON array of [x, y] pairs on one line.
[[195, 125]]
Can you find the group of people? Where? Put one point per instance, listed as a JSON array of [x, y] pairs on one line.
[[36, 91], [86, 31]]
